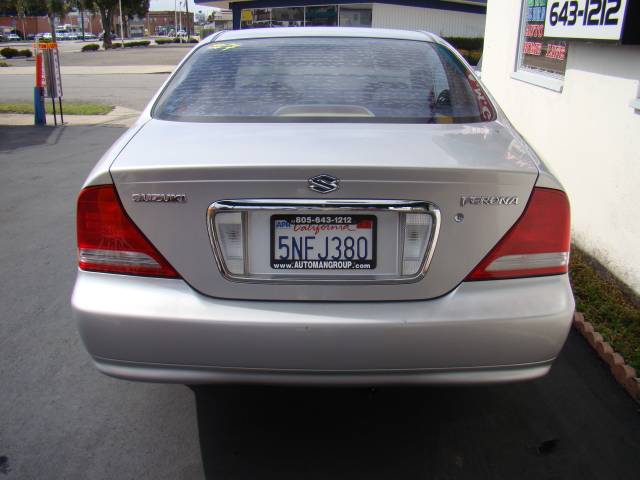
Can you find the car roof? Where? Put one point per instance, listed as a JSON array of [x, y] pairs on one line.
[[324, 32]]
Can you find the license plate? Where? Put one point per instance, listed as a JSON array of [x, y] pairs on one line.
[[323, 242]]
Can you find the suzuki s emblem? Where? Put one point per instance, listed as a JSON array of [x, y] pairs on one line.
[[324, 183]]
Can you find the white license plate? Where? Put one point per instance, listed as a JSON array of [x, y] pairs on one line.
[[323, 242]]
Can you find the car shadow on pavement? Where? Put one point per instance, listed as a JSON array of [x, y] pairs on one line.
[[575, 423], [24, 136]]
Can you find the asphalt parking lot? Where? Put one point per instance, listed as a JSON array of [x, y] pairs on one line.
[[59, 418]]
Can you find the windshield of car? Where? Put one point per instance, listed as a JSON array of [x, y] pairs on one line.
[[324, 79]]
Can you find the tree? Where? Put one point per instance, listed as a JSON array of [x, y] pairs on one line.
[[131, 8], [50, 8], [81, 6], [108, 8], [7, 7], [56, 8], [21, 9]]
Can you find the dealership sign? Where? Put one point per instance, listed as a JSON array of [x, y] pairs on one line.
[[586, 19]]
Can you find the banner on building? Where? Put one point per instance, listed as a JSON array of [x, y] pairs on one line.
[[585, 19]]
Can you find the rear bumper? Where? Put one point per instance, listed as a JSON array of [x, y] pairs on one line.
[[162, 330]]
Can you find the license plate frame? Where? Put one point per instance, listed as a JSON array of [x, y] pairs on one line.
[[330, 264]]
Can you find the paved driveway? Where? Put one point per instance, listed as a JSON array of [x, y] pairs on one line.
[[61, 419]]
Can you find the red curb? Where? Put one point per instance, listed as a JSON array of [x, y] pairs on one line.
[[632, 387], [624, 374], [605, 352], [595, 339], [588, 328]]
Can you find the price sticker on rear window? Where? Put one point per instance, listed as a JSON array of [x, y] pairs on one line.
[[223, 46]]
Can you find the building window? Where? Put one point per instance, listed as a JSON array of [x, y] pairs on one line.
[[536, 54], [355, 15], [255, 18], [287, 17], [325, 16]]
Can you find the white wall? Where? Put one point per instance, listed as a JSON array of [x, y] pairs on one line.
[[441, 22], [588, 134]]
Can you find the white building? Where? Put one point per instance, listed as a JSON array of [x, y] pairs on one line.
[[448, 18], [575, 98]]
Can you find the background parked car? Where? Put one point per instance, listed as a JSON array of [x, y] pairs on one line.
[[101, 36]]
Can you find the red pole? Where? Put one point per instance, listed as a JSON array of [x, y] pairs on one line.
[[40, 117], [39, 69]]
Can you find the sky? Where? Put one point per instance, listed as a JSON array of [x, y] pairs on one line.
[[169, 5]]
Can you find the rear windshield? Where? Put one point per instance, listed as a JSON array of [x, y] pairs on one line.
[[323, 79]]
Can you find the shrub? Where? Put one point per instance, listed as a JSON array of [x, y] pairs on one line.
[[205, 32], [138, 43], [472, 57], [91, 47], [116, 45], [3, 63], [464, 43], [9, 52], [164, 41]]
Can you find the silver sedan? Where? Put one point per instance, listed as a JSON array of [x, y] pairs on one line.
[[323, 206]]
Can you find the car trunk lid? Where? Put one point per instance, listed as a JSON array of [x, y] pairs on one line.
[[478, 176]]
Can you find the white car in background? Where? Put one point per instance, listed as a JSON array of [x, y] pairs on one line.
[[323, 206]]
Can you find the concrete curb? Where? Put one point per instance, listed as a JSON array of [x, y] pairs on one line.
[[118, 117], [95, 70], [623, 373]]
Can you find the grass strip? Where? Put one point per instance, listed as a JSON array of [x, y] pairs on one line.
[[67, 108], [613, 314]]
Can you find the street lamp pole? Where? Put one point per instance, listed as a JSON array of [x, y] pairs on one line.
[[121, 29], [81, 19], [175, 17]]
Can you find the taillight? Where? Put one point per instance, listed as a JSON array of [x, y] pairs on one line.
[[538, 244], [109, 241]]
